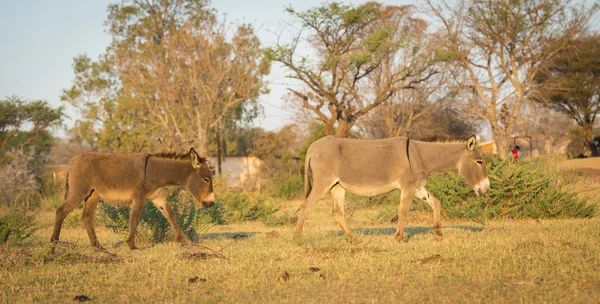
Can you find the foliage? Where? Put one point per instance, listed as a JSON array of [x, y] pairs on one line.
[[244, 206], [278, 152], [361, 55], [285, 186], [27, 124], [231, 206], [570, 82], [499, 46], [527, 189], [173, 74], [154, 226], [279, 220], [18, 182], [16, 228]]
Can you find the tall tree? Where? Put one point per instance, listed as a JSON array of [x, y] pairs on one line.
[[27, 124], [570, 82], [500, 46], [420, 113], [173, 73], [350, 44]]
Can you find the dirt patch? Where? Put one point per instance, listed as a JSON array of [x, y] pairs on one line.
[[589, 163]]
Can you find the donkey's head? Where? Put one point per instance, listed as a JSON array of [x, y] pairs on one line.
[[199, 183], [471, 168]]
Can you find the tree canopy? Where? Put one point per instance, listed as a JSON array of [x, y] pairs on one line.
[[172, 74], [360, 57], [570, 82], [27, 124]]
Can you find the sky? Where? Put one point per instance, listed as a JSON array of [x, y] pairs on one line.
[[40, 38]]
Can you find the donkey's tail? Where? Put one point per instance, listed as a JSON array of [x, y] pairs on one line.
[[307, 184], [66, 186]]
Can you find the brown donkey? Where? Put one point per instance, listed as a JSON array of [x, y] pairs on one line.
[[132, 178], [374, 167]]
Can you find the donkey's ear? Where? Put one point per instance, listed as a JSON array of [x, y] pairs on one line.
[[195, 159], [471, 143]]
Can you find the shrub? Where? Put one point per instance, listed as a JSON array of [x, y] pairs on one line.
[[522, 190], [279, 220], [154, 226], [285, 186], [18, 182], [244, 206], [15, 228]]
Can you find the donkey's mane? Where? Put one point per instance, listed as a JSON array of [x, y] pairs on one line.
[[176, 155]]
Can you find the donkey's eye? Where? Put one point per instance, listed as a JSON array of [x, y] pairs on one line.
[[206, 179], [479, 162]]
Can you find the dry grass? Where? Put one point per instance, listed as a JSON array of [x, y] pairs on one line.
[[507, 261]]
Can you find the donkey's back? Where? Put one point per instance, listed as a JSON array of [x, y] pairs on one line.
[[365, 167], [112, 175]]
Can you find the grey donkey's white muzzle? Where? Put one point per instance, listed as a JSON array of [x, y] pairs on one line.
[[482, 187]]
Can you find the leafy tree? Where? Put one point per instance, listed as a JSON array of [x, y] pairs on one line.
[[279, 151], [500, 45], [172, 74], [357, 50], [570, 82], [425, 112], [27, 124]]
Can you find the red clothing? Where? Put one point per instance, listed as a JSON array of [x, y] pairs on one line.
[[515, 153]]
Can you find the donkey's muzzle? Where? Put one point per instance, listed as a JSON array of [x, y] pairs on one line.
[[209, 201], [482, 187]]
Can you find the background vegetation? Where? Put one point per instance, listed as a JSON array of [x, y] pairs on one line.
[[177, 75]]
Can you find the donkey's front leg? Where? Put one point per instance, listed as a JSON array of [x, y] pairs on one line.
[[405, 199], [134, 219], [425, 195], [159, 199]]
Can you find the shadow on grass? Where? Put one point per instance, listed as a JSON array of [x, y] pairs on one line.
[[409, 231], [222, 236]]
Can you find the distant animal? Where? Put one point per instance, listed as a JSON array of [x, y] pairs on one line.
[[374, 167], [132, 178]]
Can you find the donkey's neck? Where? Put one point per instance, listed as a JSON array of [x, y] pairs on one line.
[[436, 158], [168, 172]]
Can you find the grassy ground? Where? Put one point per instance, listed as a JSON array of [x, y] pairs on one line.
[[503, 261]]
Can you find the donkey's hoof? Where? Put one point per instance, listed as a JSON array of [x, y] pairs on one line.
[[131, 246], [99, 248], [400, 238], [438, 237]]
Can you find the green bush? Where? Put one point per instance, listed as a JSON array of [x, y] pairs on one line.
[[285, 186], [244, 206], [154, 226], [15, 227], [231, 206], [531, 189], [279, 220]]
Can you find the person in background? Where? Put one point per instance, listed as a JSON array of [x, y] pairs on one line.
[[595, 146], [515, 152]]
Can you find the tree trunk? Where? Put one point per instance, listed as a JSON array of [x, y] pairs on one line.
[[343, 129], [218, 138], [502, 144], [587, 131]]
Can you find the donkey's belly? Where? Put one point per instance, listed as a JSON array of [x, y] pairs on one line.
[[369, 190], [116, 195]]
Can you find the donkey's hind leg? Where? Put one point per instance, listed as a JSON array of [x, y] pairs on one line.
[[405, 199], [338, 194], [159, 200], [425, 195], [89, 210], [72, 200], [318, 190]]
